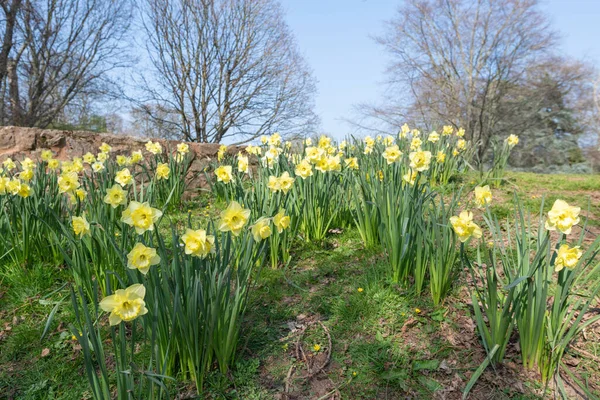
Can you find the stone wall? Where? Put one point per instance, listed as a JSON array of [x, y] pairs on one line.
[[18, 142]]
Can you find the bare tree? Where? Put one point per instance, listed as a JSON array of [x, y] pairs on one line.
[[455, 61], [61, 50], [227, 68]]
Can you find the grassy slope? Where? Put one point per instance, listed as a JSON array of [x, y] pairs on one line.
[[386, 342]]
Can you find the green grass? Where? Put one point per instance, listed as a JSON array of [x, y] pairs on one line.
[[386, 342]]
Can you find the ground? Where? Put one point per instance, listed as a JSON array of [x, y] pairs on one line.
[[329, 326]]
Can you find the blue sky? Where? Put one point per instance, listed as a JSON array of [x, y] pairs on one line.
[[335, 37]]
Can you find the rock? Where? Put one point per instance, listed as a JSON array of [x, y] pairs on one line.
[[19, 142]]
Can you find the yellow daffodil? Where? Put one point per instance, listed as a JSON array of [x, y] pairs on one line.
[[26, 175], [141, 216], [125, 304], [162, 171], [483, 195], [447, 130], [81, 194], [13, 186], [142, 258], [368, 150], [410, 177], [121, 160], [404, 130], [98, 166], [80, 225], [286, 182], [243, 164], [101, 157], [3, 184], [9, 164], [136, 156], [261, 229], [420, 160], [464, 227], [281, 221], [433, 137], [314, 154], [460, 132], [234, 218], [512, 140], [221, 152], [392, 154], [115, 196], [153, 147], [123, 177], [461, 144], [183, 148], [415, 144], [24, 190], [351, 163], [105, 148], [46, 155], [274, 184], [27, 163], [224, 173], [567, 257], [89, 158], [197, 243], [304, 169], [440, 157], [369, 141], [562, 216], [53, 164], [68, 182]]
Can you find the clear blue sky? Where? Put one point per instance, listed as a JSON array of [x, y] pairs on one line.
[[335, 37]]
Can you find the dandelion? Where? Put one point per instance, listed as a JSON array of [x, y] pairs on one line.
[[142, 258], [417, 311], [316, 348], [360, 290], [125, 304]]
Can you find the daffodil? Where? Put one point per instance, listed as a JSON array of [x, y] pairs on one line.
[[433, 137], [27, 163], [125, 304], [81, 194], [351, 163], [136, 156], [183, 148], [115, 196], [98, 166], [562, 216], [274, 184], [567, 257], [26, 175], [9, 164], [121, 160], [80, 225], [89, 158], [68, 182], [410, 177], [141, 216], [53, 164], [105, 148], [234, 218], [46, 155], [415, 143], [286, 182], [461, 144], [447, 130], [24, 190], [142, 258], [162, 171], [440, 157], [101, 157], [243, 164], [483, 195], [392, 154], [464, 227], [123, 177], [197, 242], [314, 154], [153, 147], [304, 169], [13, 186], [281, 221], [512, 140], [420, 160], [224, 173], [460, 132], [404, 130]]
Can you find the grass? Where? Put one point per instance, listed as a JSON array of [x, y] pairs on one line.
[[386, 343]]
